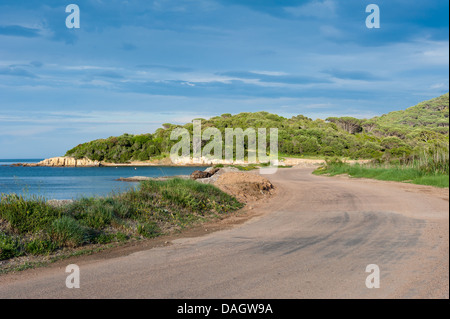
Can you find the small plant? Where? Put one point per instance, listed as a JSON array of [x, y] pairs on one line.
[[66, 231], [148, 230], [121, 236], [334, 161], [104, 238], [40, 247], [27, 215], [9, 246]]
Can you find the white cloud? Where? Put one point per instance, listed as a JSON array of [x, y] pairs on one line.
[[315, 8], [318, 106], [273, 73], [437, 54], [87, 67], [439, 86], [22, 131], [330, 31]]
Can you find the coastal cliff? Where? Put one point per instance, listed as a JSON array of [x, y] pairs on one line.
[[66, 161], [69, 161]]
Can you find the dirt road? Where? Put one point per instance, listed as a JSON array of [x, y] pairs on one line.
[[314, 239]]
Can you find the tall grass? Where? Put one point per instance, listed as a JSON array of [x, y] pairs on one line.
[[433, 160], [428, 167]]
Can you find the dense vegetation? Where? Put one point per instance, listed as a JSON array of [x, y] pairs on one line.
[[397, 135], [410, 145], [431, 114], [419, 150], [34, 227]]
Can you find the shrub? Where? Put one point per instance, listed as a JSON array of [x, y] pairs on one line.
[[40, 247], [98, 216], [121, 236], [334, 161], [99, 213], [104, 238], [148, 230], [9, 247], [27, 215], [66, 231], [142, 212]]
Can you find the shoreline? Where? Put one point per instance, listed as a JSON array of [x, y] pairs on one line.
[[224, 218], [435, 233], [65, 161]]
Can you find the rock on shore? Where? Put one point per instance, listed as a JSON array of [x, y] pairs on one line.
[[66, 161]]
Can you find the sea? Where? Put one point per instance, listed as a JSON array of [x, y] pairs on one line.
[[75, 182]]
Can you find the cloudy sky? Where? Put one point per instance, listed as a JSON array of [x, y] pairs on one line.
[[133, 65]]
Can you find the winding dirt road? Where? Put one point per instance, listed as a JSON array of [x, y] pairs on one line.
[[314, 239]]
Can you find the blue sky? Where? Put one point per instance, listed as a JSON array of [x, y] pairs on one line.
[[133, 65]]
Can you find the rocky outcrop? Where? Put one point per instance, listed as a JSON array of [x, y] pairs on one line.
[[205, 174], [200, 174], [66, 161]]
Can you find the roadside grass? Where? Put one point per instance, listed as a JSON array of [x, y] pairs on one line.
[[313, 157], [386, 172], [250, 167], [83, 251], [31, 226]]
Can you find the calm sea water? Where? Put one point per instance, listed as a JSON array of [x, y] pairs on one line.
[[74, 182]]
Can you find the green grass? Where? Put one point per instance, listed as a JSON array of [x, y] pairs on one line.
[[248, 167], [313, 157], [34, 227], [393, 135], [399, 173], [34, 264]]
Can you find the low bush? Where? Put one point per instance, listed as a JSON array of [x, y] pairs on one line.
[[27, 215], [66, 231], [9, 246], [39, 228]]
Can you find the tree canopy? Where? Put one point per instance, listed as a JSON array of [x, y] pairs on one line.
[[396, 134]]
